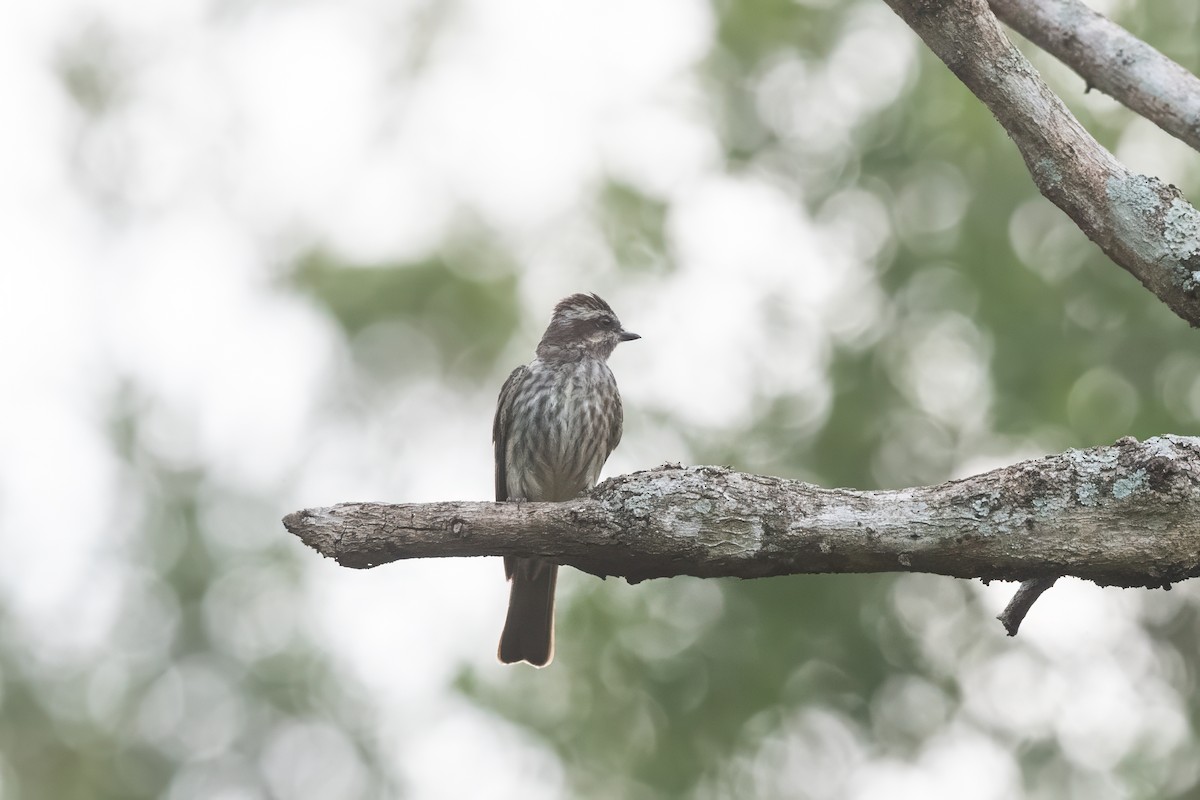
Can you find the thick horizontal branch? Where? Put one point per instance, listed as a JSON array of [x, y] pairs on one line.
[[1111, 59], [1126, 515], [1141, 223]]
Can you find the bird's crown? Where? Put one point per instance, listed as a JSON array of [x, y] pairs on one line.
[[582, 306]]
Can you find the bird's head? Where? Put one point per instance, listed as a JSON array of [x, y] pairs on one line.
[[582, 324]]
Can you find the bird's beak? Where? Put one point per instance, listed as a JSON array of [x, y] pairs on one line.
[[629, 336]]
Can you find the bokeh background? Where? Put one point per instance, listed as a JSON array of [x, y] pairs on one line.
[[262, 255]]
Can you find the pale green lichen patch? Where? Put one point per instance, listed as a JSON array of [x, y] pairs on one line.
[[1123, 487], [1181, 229], [640, 506], [1002, 521], [1134, 197], [982, 506], [1181, 232], [1087, 493], [1048, 173], [1092, 462], [1160, 231], [1162, 446]]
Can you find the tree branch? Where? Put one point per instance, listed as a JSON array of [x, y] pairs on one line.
[[1125, 515], [1111, 59], [1141, 223], [1027, 594]]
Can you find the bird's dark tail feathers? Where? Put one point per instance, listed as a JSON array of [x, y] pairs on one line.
[[529, 628]]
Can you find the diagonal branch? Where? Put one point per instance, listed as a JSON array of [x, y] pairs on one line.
[[1125, 515], [1141, 223], [1111, 59]]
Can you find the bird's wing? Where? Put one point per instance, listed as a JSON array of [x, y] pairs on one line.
[[500, 428], [616, 422]]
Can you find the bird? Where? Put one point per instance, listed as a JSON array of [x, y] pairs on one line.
[[557, 420]]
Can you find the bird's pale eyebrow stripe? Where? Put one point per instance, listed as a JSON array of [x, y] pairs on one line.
[[585, 313]]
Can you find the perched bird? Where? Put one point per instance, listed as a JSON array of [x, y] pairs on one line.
[[557, 420]]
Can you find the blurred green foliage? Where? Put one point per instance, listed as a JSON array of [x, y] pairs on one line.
[[1075, 353], [208, 687], [468, 318], [634, 226], [670, 689]]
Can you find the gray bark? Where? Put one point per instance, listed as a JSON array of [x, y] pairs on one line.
[[1027, 594], [1111, 59], [1141, 223], [1125, 515]]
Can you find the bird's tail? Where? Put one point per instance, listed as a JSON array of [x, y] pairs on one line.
[[529, 628]]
